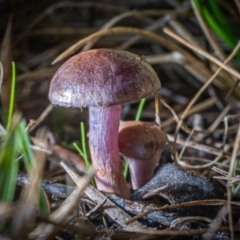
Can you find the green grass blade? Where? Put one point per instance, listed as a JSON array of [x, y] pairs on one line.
[[26, 150], [83, 151], [125, 170], [80, 152], [84, 148], [217, 13], [8, 163], [219, 30], [12, 96], [140, 109]]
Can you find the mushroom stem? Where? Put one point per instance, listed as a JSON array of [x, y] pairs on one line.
[[103, 142], [140, 173]]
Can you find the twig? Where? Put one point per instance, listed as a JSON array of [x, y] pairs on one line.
[[183, 32], [181, 220], [197, 108], [233, 87], [154, 192], [159, 23], [39, 73], [43, 115], [165, 58], [219, 118], [96, 208]]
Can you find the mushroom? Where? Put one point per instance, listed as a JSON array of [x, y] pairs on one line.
[[103, 80], [141, 145]]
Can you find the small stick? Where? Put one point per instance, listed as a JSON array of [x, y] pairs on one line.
[[41, 117], [159, 23], [166, 58], [219, 118], [100, 205], [196, 108], [181, 220], [154, 192]]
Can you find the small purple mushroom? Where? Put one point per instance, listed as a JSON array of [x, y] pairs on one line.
[[103, 80], [141, 144]]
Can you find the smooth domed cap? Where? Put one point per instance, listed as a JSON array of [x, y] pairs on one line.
[[141, 140], [103, 77]]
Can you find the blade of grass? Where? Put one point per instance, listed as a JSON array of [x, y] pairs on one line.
[[125, 170], [83, 150], [217, 13], [79, 150], [26, 150], [12, 96], [8, 163], [140, 109], [219, 16]]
